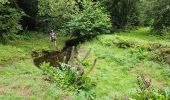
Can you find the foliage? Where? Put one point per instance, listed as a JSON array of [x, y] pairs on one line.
[[9, 24], [145, 8], [147, 92], [92, 20], [30, 8], [115, 72], [161, 13], [124, 13], [69, 77], [154, 51], [166, 73], [53, 14], [4, 1]]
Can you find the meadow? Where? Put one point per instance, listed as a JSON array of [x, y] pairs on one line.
[[121, 58]]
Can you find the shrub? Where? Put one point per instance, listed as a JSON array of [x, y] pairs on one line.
[[147, 92], [140, 53], [124, 13], [9, 24], [161, 12], [166, 73], [160, 54], [105, 41], [53, 14], [68, 77], [91, 21]]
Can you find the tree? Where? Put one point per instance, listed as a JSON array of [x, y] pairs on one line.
[[124, 13], [145, 8], [30, 7], [10, 18], [53, 14], [92, 20], [161, 15]]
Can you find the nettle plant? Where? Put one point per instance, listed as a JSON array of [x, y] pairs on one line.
[[69, 77]]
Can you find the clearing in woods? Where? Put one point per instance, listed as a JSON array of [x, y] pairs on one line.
[[120, 60]]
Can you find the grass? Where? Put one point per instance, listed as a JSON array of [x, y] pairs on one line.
[[20, 79], [117, 69], [115, 73]]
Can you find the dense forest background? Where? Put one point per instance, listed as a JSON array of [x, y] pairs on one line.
[[82, 17]]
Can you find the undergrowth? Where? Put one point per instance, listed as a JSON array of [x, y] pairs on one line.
[[146, 91], [118, 63], [69, 78], [144, 50]]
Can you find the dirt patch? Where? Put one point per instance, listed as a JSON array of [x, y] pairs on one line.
[[1, 65], [160, 84], [66, 98], [135, 67], [24, 91], [167, 58], [3, 89], [82, 52]]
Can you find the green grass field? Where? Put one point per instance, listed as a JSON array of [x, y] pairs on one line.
[[115, 73], [117, 69]]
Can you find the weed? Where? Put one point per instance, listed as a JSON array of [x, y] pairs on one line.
[[147, 92], [68, 77], [166, 73]]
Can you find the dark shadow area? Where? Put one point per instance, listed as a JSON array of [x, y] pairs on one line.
[[30, 7], [56, 57]]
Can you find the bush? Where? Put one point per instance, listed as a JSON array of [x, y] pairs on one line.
[[54, 14], [68, 77], [9, 24], [91, 21], [105, 41], [124, 13], [140, 53], [166, 73], [147, 92], [161, 14]]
